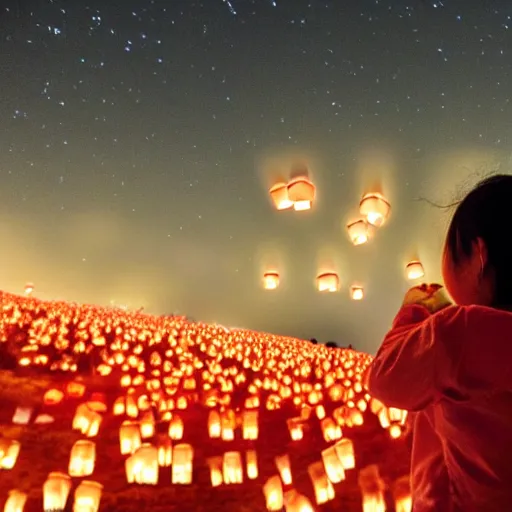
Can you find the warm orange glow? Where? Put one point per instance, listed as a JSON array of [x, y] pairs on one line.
[[357, 292], [324, 491], [232, 468], [271, 280], [9, 451], [87, 497], [82, 458], [372, 489], [345, 450], [129, 437], [56, 491], [333, 465], [273, 490], [402, 495], [279, 196], [182, 464], [301, 191], [358, 232], [15, 501], [328, 282], [142, 466], [375, 208], [29, 288], [252, 464], [414, 270], [215, 465], [75, 389], [283, 466], [53, 397], [22, 415]]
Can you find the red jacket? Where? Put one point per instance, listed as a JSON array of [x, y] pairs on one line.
[[453, 370]]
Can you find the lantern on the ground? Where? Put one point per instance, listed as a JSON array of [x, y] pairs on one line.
[[328, 282], [98, 402], [271, 280], [273, 491], [147, 425], [414, 270], [56, 491], [330, 430], [279, 195], [357, 292], [375, 208], [301, 191], [87, 496], [182, 464], [358, 232], [82, 458], [324, 491], [232, 469], [15, 501]]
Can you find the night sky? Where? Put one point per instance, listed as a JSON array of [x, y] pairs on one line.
[[138, 140]]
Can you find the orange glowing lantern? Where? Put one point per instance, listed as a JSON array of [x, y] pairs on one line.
[[15, 501], [298, 503], [333, 466], [250, 425], [301, 191], [279, 195], [98, 402], [86, 420], [164, 451], [393, 419], [252, 464], [22, 415], [372, 489], [53, 397], [129, 437], [283, 466], [75, 389], [327, 282], [9, 451], [82, 458], [271, 280], [176, 428], [87, 497], [182, 464], [43, 419], [118, 408], [375, 208], [147, 425], [232, 468], [345, 450], [142, 466], [273, 491], [214, 425], [56, 491], [132, 409], [324, 491], [357, 292], [402, 494], [29, 288], [295, 428], [215, 465], [414, 270], [358, 232]]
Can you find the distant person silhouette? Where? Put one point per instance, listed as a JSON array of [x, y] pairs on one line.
[[451, 365]]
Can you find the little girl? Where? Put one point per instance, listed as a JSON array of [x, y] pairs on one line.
[[451, 365]]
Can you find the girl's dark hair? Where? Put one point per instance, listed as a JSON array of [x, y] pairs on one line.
[[486, 213]]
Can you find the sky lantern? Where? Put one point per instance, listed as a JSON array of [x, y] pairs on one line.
[[82, 458], [375, 208], [328, 282], [273, 491], [356, 292], [182, 464], [324, 491], [333, 465], [372, 489], [56, 491], [87, 496], [9, 451], [232, 468], [270, 280], [279, 195], [251, 458], [414, 270], [215, 464], [283, 466], [302, 192], [22, 415], [402, 494], [358, 231], [15, 501], [29, 288]]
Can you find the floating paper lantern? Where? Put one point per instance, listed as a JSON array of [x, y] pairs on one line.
[[182, 464], [298, 503], [22, 415], [283, 466], [147, 425], [86, 420], [372, 489], [75, 389], [301, 191], [215, 464], [393, 419], [375, 208], [414, 270], [53, 397], [333, 465], [82, 458], [402, 494], [29, 288], [98, 402], [273, 491], [87, 496], [129, 437], [232, 468], [250, 425], [328, 282], [176, 428], [142, 466], [358, 232], [164, 451], [295, 427], [279, 196], [345, 450], [43, 419], [271, 280], [56, 491], [9, 451], [330, 430], [214, 425], [356, 292], [15, 501], [252, 464], [324, 491]]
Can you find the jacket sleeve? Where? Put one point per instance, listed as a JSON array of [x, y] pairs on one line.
[[404, 373]]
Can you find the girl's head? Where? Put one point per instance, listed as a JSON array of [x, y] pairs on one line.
[[477, 259]]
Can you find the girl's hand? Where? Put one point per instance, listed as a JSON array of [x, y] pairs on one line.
[[430, 296]]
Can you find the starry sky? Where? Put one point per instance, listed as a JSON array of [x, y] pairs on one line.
[[138, 140]]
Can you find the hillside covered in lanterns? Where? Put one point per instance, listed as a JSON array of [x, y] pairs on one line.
[[108, 410]]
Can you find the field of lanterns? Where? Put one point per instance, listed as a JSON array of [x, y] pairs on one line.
[[109, 410]]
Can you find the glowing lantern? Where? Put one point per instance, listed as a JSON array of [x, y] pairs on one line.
[[250, 425], [295, 428], [271, 280], [227, 420], [119, 406], [82, 458], [328, 282], [22, 415], [142, 466], [43, 419], [298, 503], [393, 419], [53, 397], [345, 450], [15, 501], [98, 402], [214, 425], [9, 451], [182, 461], [29, 288], [375, 208], [402, 495], [164, 452], [232, 469], [56, 491], [333, 465], [86, 420], [301, 191], [129, 437], [372, 489], [75, 389], [414, 270], [215, 464], [176, 428], [252, 464], [279, 196], [87, 497], [357, 293], [358, 232], [131, 407], [324, 491], [273, 491], [283, 466], [330, 430], [147, 425]]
